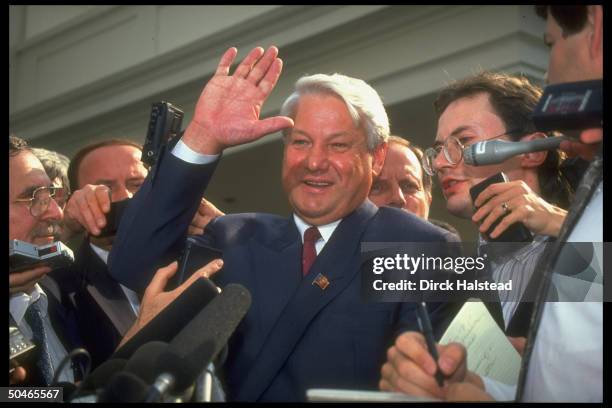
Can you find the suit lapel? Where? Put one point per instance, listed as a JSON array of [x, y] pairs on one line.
[[307, 300], [105, 291]]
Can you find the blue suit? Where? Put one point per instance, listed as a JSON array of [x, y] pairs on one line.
[[295, 336]]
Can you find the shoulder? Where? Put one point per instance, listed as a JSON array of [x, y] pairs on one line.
[[239, 227], [399, 225]]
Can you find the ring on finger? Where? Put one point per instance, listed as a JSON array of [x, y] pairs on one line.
[[505, 207]]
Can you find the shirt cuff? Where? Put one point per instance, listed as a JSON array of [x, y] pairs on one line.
[[498, 390], [185, 153]]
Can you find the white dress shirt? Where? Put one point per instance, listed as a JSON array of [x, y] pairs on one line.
[[131, 296]]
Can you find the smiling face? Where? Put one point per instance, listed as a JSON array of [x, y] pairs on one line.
[[26, 173], [327, 168], [400, 183], [470, 119]]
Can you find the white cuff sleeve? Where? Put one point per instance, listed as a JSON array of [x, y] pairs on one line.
[[183, 152], [498, 390]]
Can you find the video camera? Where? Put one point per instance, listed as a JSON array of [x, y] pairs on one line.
[[569, 107], [164, 126]]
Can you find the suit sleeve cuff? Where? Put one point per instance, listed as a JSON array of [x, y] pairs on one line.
[[498, 390], [185, 153]]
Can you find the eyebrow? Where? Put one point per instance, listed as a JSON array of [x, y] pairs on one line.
[[455, 132], [332, 136], [30, 190]]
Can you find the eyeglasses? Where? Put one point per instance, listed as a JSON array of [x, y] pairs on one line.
[[38, 204], [453, 151]]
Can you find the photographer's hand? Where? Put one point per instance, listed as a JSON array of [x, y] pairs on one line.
[[155, 299], [86, 209], [227, 112], [523, 205]]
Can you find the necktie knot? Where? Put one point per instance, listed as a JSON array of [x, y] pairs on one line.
[[312, 234]]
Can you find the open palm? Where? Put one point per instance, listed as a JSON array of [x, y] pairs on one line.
[[227, 112]]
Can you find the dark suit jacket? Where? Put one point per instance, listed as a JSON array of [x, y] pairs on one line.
[[295, 335], [103, 311]]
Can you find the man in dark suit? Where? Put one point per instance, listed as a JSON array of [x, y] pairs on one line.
[[308, 326]]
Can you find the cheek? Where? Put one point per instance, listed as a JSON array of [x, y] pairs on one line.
[[20, 224]]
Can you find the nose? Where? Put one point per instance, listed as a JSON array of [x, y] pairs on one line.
[[440, 162], [119, 194], [316, 159], [53, 212], [398, 199]]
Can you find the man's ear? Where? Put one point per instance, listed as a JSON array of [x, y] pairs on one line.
[[595, 23], [378, 158], [534, 159]]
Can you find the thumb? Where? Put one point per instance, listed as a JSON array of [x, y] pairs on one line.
[[161, 278], [271, 125]]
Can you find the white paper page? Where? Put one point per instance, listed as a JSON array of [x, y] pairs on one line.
[[489, 351]]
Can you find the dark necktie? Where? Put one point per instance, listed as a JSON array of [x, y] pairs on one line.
[[588, 185], [309, 253], [34, 318]]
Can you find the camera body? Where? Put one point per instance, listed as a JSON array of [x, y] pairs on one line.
[[164, 126], [23, 255]]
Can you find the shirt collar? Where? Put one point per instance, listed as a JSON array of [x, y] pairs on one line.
[[103, 254], [326, 230], [20, 302]]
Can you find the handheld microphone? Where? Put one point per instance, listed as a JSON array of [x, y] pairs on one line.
[[497, 151], [124, 387], [200, 341]]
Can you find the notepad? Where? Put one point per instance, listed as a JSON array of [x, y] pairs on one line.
[[489, 353]]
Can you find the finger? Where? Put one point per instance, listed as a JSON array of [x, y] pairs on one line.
[[247, 63], [271, 125], [204, 272], [104, 196], [94, 202], [452, 357], [85, 215], [384, 385], [517, 215], [208, 208], [25, 278], [17, 376], [161, 278], [490, 191], [496, 213], [272, 74], [410, 380], [194, 230], [262, 66], [226, 61], [412, 345], [199, 220]]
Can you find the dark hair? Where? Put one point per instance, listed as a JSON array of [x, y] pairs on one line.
[[17, 145], [571, 19], [54, 163], [513, 98], [75, 163], [418, 152]]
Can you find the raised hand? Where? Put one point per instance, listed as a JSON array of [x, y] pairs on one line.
[[227, 112]]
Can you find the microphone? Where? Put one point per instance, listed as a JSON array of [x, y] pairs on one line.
[[200, 341], [172, 318], [497, 151], [101, 375], [142, 363], [124, 387]]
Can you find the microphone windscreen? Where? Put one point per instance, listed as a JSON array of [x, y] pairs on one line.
[[124, 387], [172, 318], [216, 323], [101, 375], [185, 370], [143, 362]]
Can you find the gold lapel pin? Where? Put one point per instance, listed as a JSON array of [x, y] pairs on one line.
[[321, 281]]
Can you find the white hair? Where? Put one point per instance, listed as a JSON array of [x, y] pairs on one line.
[[362, 101]]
